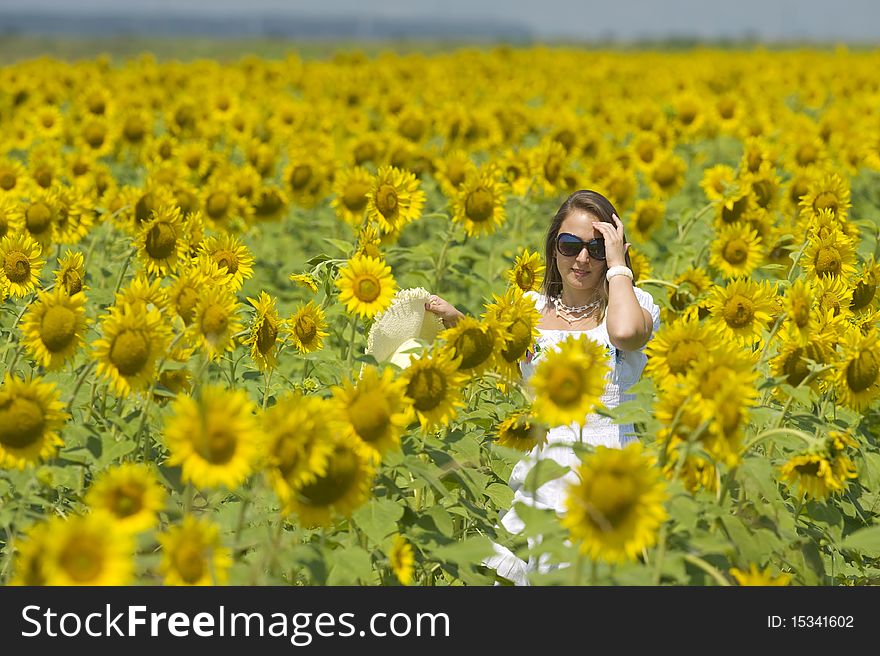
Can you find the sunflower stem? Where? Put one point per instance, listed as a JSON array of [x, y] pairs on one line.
[[440, 267], [79, 382], [267, 377], [776, 325], [348, 359], [123, 271], [709, 569]]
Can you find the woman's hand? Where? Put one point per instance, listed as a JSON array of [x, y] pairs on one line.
[[615, 249], [443, 309]]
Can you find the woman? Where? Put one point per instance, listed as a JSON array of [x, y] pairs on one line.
[[588, 290]]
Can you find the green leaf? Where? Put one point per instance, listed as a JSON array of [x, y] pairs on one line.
[[350, 566], [466, 553], [865, 541], [544, 471], [343, 246], [378, 519], [537, 521], [501, 495], [442, 520], [758, 477]]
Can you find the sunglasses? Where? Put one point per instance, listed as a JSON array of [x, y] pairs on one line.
[[571, 246]]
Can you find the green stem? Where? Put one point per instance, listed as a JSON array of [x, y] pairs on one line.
[[709, 569], [348, 359], [123, 271], [79, 382], [771, 432], [268, 379], [440, 267]]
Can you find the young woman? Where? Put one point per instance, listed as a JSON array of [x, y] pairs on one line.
[[588, 291]]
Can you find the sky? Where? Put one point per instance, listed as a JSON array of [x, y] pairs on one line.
[[814, 20]]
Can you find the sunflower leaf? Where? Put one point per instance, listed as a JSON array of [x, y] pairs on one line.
[[378, 519], [350, 566], [865, 541], [544, 471]]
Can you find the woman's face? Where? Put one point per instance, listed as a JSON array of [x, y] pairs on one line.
[[581, 271]]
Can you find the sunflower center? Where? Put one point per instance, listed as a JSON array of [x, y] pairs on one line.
[[214, 320], [735, 211], [739, 311], [525, 278], [217, 204], [186, 304], [828, 262], [94, 135], [826, 201], [364, 152], [71, 281], [862, 372], [134, 129], [386, 201], [17, 267], [355, 196], [764, 191], [612, 499], [189, 562], [38, 218], [800, 312], [647, 219], [305, 329], [683, 355], [370, 415], [266, 335], [412, 128], [216, 444], [161, 240], [58, 327], [427, 388], [367, 288], [7, 180], [810, 468], [301, 176], [144, 207], [806, 154], [21, 421], [82, 558], [341, 476], [795, 367], [736, 251], [519, 339], [130, 352], [565, 385], [552, 168], [665, 174], [228, 260], [863, 294], [128, 499], [473, 346], [268, 204], [830, 301], [479, 205]]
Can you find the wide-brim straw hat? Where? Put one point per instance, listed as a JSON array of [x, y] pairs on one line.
[[396, 332]]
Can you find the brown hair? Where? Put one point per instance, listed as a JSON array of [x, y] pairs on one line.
[[590, 202]]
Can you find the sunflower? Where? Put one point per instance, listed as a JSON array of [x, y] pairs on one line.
[[569, 381], [755, 576], [474, 344], [192, 553], [831, 256], [521, 431], [518, 318], [394, 199], [641, 266], [366, 286], [402, 559], [21, 264], [527, 272], [351, 188], [666, 176], [550, 162], [736, 250], [13, 176], [37, 217], [433, 386], [88, 550], [375, 409], [517, 170], [833, 295], [143, 292], [811, 476], [799, 313], [617, 508], [452, 170], [827, 192], [220, 203], [31, 416], [690, 295], [479, 203], [188, 285], [54, 327], [31, 547], [342, 488], [733, 204], [741, 309], [300, 432], [161, 244], [263, 338], [305, 328], [370, 240], [230, 255], [306, 280], [7, 215], [864, 296], [215, 438], [71, 273], [857, 375], [791, 362], [131, 493], [215, 321], [268, 203], [676, 347], [646, 218]]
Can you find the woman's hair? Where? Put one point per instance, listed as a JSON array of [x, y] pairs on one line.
[[590, 202]]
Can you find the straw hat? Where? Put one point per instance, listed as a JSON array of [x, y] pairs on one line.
[[396, 330]]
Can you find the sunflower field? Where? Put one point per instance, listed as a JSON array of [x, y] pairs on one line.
[[192, 255]]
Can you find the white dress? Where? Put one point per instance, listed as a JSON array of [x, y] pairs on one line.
[[625, 369]]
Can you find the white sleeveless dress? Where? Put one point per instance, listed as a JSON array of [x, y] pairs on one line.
[[625, 369]]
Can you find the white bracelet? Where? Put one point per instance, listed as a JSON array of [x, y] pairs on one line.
[[618, 270]]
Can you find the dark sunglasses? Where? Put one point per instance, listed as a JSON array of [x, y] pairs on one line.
[[571, 246]]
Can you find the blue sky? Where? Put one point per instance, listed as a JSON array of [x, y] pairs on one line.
[[821, 20]]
